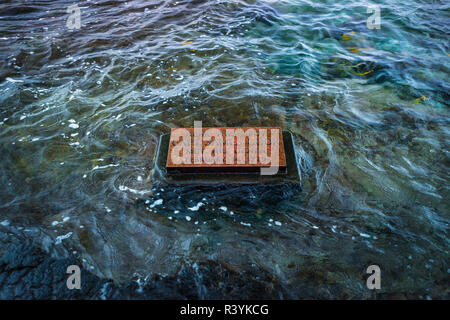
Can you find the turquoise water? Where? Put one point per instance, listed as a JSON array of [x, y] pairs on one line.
[[82, 111]]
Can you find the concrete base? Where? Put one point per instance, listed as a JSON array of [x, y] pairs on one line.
[[290, 176]]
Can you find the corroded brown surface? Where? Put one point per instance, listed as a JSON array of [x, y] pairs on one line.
[[250, 150]]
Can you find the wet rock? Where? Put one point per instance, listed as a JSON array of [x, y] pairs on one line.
[[28, 272]]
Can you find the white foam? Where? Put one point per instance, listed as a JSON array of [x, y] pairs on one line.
[[59, 239], [140, 192], [107, 166], [12, 80], [156, 203], [365, 235], [196, 207]]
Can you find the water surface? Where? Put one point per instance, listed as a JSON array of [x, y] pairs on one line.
[[81, 112]]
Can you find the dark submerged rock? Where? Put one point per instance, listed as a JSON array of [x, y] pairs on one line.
[[28, 272]]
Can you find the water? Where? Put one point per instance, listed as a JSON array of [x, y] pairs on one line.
[[82, 110]]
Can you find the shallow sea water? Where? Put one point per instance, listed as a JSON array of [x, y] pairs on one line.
[[81, 112]]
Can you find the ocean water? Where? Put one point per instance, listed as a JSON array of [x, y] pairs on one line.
[[81, 112]]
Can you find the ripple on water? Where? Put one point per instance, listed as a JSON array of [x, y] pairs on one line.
[[82, 111]]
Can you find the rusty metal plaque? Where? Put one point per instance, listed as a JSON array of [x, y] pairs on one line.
[[234, 150]]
